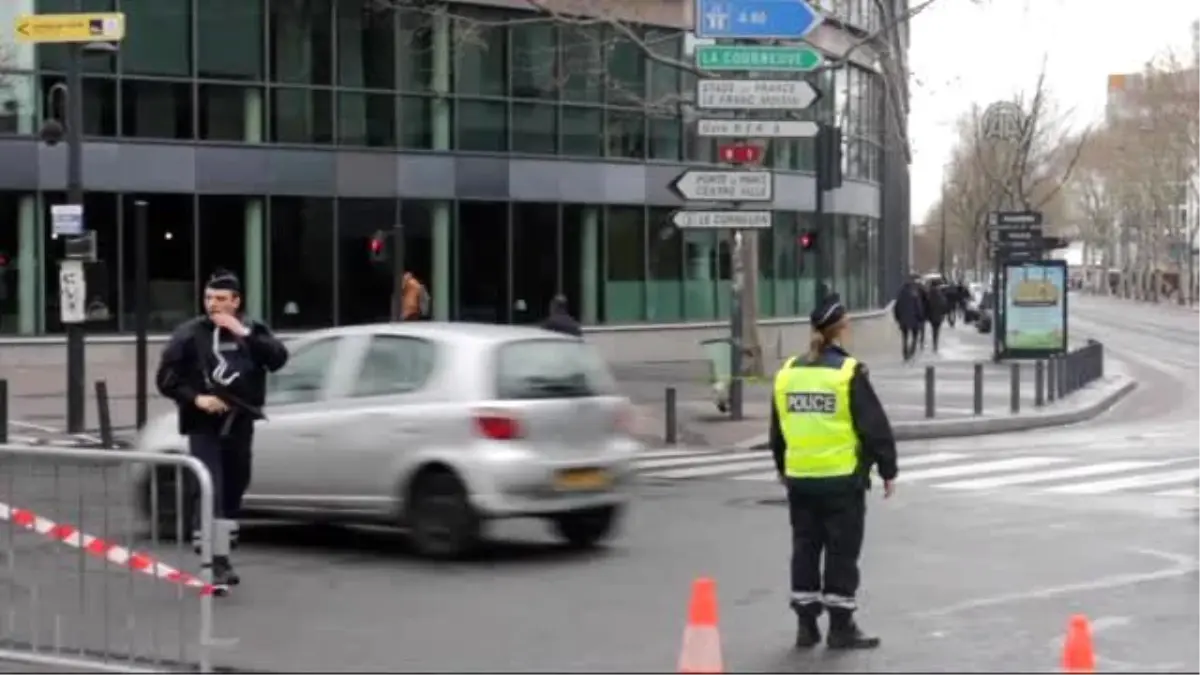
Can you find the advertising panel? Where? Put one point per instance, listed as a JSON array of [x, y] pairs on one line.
[[1035, 309]]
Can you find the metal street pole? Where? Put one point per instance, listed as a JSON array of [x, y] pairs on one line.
[[74, 134], [942, 243], [141, 307]]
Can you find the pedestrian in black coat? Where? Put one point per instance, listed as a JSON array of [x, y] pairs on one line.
[[935, 312], [560, 320], [909, 313]]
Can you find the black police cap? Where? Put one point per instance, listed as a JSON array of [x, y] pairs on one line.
[[828, 312]]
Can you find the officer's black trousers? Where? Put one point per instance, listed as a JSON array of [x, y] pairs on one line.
[[829, 524], [228, 459]]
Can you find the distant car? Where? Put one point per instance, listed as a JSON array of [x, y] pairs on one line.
[[985, 312], [436, 427]]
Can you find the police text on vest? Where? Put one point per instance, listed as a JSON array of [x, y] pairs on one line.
[[811, 402]]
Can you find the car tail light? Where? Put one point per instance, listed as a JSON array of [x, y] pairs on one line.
[[497, 426]]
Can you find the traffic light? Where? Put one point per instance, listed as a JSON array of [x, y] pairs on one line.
[[377, 246], [808, 241]]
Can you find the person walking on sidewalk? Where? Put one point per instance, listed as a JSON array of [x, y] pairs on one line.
[[935, 312], [214, 368], [827, 429], [908, 310]]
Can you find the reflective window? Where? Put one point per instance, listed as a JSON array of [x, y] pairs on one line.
[[366, 287], [366, 46], [100, 104], [229, 39], [482, 125], [394, 365], [301, 116], [700, 274], [367, 119], [535, 57], [416, 50], [221, 234], [583, 131], [665, 130], [625, 72], [625, 134], [582, 63], [10, 264], [416, 121], [174, 291], [786, 263], [664, 286], [304, 378], [231, 113], [571, 368], [483, 262], [301, 250], [625, 262], [157, 37], [481, 62], [535, 128], [535, 260], [153, 109], [301, 41]]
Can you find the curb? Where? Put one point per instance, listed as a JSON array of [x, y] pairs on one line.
[[73, 442], [911, 431]]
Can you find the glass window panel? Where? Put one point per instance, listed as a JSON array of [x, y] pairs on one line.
[[174, 289], [394, 365], [625, 70], [221, 231], [582, 251], [417, 217], [766, 272], [625, 134], [54, 56], [481, 61], [482, 126], [99, 104], [301, 116], [101, 217], [483, 262], [664, 78], [664, 293], [535, 60], [786, 266], [625, 262], [157, 37], [301, 41], [535, 260], [10, 266], [366, 46], [583, 131], [535, 128], [700, 274], [666, 138], [229, 39], [365, 286], [367, 120], [231, 113], [152, 109], [301, 252], [416, 122], [416, 50], [582, 64], [18, 104]]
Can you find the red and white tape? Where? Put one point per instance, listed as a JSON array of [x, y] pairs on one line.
[[98, 548]]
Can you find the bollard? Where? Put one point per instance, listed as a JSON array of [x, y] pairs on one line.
[[669, 436], [102, 414], [929, 395], [1014, 394], [1051, 379], [1061, 376], [1039, 383], [978, 388], [3, 411], [1099, 360]]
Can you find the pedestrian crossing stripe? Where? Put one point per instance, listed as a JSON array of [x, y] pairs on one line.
[[961, 471]]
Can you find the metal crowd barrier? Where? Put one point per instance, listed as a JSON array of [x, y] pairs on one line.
[[93, 574]]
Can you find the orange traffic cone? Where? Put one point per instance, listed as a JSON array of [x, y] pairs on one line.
[[1078, 656], [701, 652]]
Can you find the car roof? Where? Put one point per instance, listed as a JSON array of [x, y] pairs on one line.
[[442, 330]]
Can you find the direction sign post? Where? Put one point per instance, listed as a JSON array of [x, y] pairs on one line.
[[725, 186], [1013, 236], [722, 220], [756, 128], [755, 19], [755, 94], [57, 28], [758, 58]]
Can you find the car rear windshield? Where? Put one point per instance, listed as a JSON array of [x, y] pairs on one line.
[[528, 369]]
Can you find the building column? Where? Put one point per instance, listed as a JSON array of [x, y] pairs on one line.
[[27, 266], [589, 266], [443, 125], [254, 276]]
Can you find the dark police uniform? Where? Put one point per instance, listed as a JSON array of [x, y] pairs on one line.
[[201, 358], [827, 429]]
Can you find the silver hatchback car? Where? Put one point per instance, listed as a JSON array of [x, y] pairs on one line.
[[437, 427]]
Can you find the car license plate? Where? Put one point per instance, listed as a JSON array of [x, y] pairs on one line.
[[582, 479]]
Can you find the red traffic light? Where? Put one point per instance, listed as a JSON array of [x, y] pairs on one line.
[[807, 240], [376, 245]]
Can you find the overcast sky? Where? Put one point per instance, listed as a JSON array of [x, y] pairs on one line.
[[962, 53]]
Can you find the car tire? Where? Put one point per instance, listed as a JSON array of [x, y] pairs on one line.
[[586, 528], [441, 522], [167, 524]]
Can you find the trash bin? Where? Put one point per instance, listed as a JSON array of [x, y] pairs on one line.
[[718, 352]]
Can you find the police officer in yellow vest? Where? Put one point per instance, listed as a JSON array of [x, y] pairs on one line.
[[827, 429]]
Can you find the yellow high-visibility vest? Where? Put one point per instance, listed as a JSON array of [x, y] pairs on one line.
[[813, 403]]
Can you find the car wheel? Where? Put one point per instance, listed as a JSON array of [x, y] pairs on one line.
[[439, 516], [583, 529], [169, 523]]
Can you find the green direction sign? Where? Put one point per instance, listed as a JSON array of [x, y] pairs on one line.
[[791, 59]]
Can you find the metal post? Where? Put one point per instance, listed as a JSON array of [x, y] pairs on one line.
[[978, 389], [669, 435], [104, 414], [1051, 376], [3, 411], [141, 306], [819, 217], [929, 393], [1099, 360], [1061, 376], [75, 331], [1014, 394], [1039, 383], [737, 290]]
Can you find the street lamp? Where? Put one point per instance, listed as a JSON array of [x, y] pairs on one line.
[[52, 133]]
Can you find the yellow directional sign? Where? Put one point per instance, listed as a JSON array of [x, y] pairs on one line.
[[103, 27]]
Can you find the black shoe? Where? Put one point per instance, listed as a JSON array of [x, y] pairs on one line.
[[844, 633], [808, 633], [223, 574]]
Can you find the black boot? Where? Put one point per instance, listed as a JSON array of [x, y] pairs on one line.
[[223, 574], [808, 633], [844, 633]]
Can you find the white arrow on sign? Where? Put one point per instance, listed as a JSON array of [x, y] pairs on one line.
[[755, 94], [756, 129], [713, 220], [725, 186]]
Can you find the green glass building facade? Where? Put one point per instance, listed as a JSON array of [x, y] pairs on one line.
[[523, 157]]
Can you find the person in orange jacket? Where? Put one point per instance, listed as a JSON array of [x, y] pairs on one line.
[[414, 299]]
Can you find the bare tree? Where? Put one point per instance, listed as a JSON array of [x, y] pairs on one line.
[[1092, 205]]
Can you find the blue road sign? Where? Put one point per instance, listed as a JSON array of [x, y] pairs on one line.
[[755, 19]]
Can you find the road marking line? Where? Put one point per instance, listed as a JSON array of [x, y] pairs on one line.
[[693, 459], [1045, 476], [715, 469], [905, 462], [667, 454], [1148, 480], [1010, 464], [1192, 492]]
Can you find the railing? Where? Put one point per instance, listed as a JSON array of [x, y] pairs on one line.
[[93, 572]]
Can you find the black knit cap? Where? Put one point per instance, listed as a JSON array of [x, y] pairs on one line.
[[224, 280], [828, 312]]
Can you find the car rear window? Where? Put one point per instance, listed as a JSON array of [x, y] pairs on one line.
[[536, 368]]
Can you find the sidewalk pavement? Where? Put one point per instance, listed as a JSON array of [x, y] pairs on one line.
[[901, 388]]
